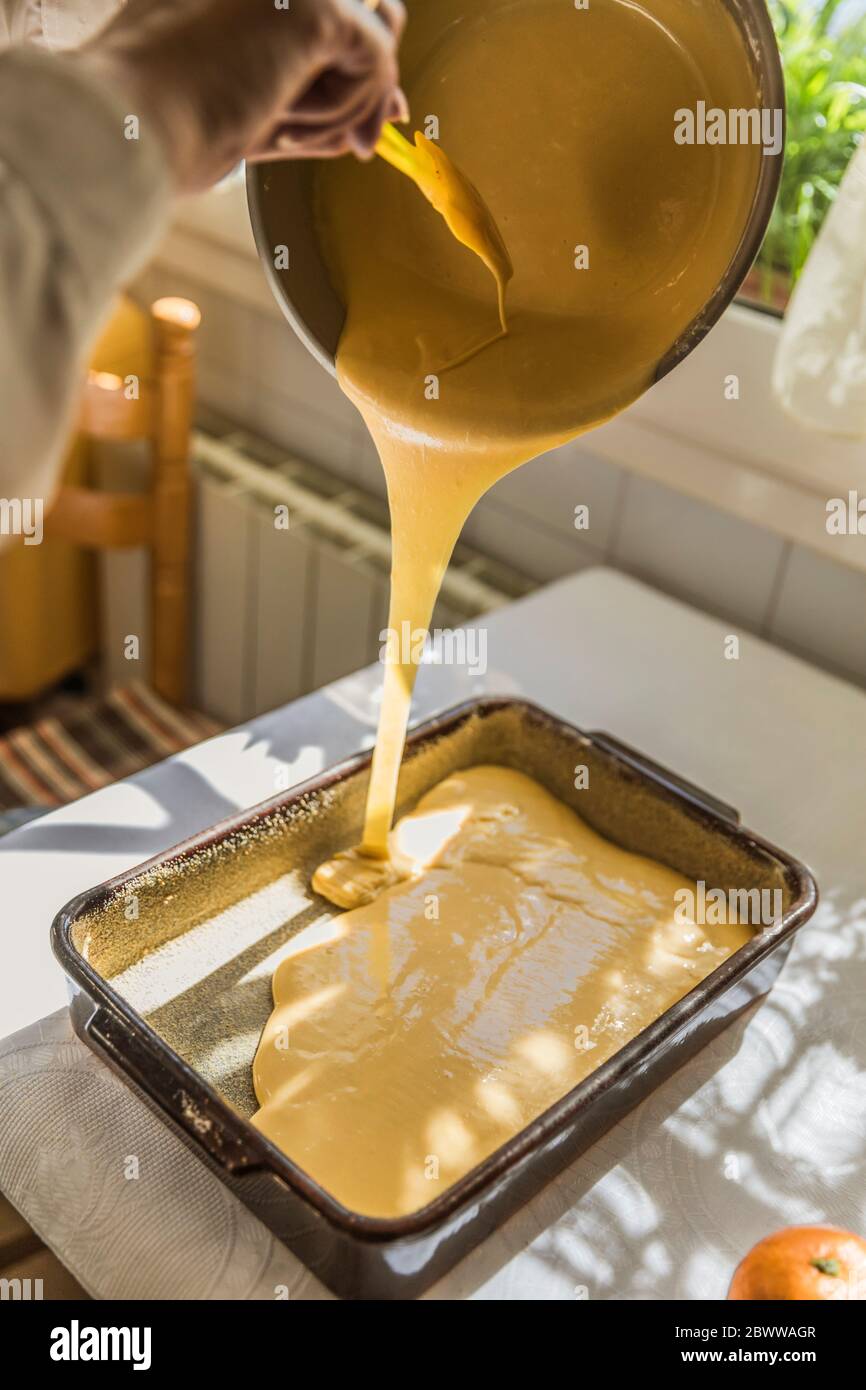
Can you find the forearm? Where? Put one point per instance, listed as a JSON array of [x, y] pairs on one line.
[[82, 207], [166, 98]]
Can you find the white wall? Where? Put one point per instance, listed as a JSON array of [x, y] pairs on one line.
[[720, 502]]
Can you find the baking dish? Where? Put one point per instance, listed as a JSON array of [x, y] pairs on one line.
[[170, 964]]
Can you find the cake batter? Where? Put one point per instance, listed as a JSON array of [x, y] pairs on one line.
[[431, 1026], [496, 950], [564, 119]]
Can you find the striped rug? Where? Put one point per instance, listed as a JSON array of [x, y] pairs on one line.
[[96, 741]]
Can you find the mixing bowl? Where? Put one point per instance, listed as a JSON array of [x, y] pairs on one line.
[[280, 196]]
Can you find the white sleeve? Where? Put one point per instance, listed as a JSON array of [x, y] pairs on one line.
[[81, 206], [820, 369], [55, 23], [20, 22]]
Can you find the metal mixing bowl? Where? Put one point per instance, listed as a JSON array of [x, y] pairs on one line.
[[281, 210]]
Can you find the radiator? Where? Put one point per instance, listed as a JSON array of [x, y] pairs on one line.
[[279, 610]]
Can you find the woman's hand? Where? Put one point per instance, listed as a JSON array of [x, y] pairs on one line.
[[224, 80]]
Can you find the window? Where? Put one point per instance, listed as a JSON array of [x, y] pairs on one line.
[[823, 47]]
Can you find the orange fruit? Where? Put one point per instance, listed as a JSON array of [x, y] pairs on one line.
[[805, 1264]]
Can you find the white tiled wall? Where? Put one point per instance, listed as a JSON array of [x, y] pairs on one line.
[[821, 613], [253, 369], [719, 563]]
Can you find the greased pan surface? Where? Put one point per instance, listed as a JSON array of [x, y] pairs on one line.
[[170, 966]]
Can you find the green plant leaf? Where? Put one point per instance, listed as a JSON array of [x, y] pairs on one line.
[[825, 84]]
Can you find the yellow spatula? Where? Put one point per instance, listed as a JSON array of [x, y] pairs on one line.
[[455, 198], [453, 195]]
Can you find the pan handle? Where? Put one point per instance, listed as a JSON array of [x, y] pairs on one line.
[[639, 762], [203, 1118]]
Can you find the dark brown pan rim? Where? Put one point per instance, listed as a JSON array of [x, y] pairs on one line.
[[255, 1153]]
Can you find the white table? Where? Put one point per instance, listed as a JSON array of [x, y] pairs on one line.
[[764, 1128]]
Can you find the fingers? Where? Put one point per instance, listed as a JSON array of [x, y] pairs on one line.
[[364, 135], [393, 15], [399, 106], [315, 128], [390, 13], [286, 147], [226, 79], [335, 98], [356, 91], [298, 140], [360, 92]]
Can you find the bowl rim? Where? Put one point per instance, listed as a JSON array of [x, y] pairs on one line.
[[763, 52]]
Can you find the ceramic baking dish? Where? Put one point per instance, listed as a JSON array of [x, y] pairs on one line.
[[170, 967]]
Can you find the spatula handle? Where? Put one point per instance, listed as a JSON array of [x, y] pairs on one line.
[[397, 150]]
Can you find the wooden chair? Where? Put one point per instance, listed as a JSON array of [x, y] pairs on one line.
[[156, 406]]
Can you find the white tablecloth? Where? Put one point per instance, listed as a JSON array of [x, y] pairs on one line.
[[764, 1128]]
